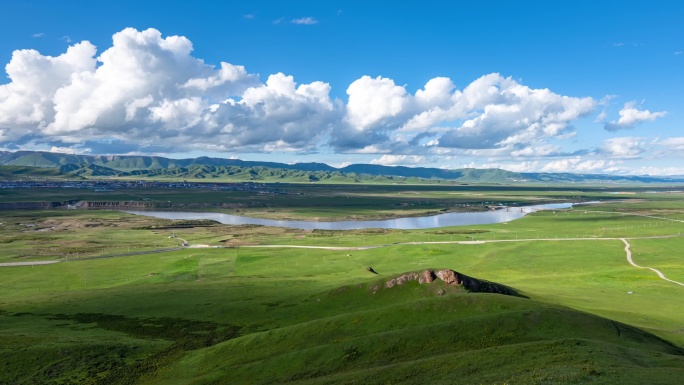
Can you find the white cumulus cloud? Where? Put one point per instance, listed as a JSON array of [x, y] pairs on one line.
[[393, 160], [578, 165], [66, 150], [631, 115], [491, 112], [657, 171], [278, 111], [536, 151], [147, 90], [27, 101], [624, 147], [528, 166], [501, 112], [373, 101], [674, 144]]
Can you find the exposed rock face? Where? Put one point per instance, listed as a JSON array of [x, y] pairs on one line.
[[451, 278], [427, 277], [402, 279]]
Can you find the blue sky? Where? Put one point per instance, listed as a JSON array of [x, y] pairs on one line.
[[573, 86]]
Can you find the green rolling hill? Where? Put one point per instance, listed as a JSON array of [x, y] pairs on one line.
[[366, 333], [415, 339], [22, 172], [94, 166]]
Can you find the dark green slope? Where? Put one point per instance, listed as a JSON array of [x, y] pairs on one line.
[[494, 175], [410, 335], [419, 172], [225, 173], [199, 171], [127, 163], [90, 170], [463, 175], [19, 172]]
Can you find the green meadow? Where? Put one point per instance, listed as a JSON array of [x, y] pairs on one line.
[[255, 311]]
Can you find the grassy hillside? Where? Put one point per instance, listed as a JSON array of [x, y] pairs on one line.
[[26, 172], [128, 163], [256, 174], [473, 337]]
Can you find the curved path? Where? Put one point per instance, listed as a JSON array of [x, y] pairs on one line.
[[631, 262]]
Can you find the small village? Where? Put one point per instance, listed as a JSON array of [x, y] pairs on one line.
[[111, 185]]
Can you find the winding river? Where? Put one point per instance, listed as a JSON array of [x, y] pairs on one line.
[[426, 222]]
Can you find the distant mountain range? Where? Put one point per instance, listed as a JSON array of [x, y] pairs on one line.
[[103, 166]]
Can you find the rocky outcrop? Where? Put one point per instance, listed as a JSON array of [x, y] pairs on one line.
[[450, 278], [402, 279], [427, 277]]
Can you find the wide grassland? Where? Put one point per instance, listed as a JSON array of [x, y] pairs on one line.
[[247, 313]]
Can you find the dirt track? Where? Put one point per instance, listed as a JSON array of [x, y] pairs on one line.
[[631, 262], [8, 264]]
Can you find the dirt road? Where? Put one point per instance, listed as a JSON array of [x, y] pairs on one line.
[[8, 264], [631, 262]]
